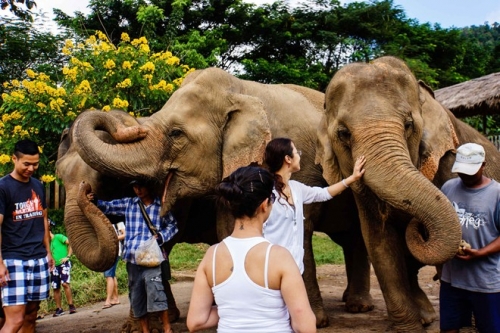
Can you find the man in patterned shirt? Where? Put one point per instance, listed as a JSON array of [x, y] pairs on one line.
[[145, 283]]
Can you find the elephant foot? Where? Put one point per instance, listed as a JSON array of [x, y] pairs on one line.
[[428, 315], [405, 329], [359, 304], [173, 314], [322, 319]]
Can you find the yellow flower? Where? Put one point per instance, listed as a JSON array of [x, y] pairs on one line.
[[68, 43], [147, 67], [110, 64], [41, 105], [173, 61], [31, 74], [40, 149], [43, 77], [127, 65], [125, 37], [102, 36], [17, 129], [83, 87], [47, 178], [6, 84], [66, 51], [144, 48], [106, 108], [15, 83], [120, 104], [4, 159], [71, 115], [124, 84]]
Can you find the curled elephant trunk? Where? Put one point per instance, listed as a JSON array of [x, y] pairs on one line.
[[95, 243], [114, 143], [434, 233]]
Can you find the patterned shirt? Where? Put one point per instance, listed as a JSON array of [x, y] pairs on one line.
[[136, 228]]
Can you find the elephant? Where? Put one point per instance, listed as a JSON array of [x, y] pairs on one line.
[[93, 240], [213, 124], [381, 111]]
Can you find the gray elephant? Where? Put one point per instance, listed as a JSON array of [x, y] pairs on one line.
[[381, 111], [212, 125]]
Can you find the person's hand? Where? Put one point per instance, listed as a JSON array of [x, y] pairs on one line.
[[358, 171], [468, 254], [4, 274], [51, 262], [65, 259]]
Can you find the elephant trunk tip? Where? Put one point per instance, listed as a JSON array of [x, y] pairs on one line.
[[432, 248]]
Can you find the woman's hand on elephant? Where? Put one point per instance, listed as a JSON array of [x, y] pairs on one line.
[[358, 171]]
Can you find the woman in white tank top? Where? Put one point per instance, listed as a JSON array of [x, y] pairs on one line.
[[256, 286]]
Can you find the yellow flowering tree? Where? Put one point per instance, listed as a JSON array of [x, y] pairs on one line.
[[97, 75]]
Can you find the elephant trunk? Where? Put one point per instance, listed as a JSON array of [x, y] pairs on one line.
[[95, 243], [116, 146], [434, 233]]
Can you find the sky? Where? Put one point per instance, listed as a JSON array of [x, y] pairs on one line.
[[448, 13]]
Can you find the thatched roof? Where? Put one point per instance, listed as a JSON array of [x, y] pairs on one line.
[[479, 96]]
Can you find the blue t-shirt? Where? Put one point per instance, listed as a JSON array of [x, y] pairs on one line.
[[23, 227], [479, 215]]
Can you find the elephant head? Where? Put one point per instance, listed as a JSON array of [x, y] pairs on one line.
[[189, 145], [379, 110]]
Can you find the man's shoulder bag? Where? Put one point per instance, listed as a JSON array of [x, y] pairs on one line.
[[165, 264]]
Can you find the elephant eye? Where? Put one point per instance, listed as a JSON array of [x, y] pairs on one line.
[[175, 133], [344, 135]]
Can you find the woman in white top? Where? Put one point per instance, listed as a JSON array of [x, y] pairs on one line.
[[285, 225], [256, 286]]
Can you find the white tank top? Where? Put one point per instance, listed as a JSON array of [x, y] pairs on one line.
[[243, 305]]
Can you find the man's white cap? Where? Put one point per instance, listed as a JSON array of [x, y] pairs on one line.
[[470, 157]]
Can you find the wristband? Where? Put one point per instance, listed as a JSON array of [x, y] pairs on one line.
[[343, 183]]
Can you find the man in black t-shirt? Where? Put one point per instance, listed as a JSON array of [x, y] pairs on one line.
[[25, 258]]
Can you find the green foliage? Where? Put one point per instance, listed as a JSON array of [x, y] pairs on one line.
[[186, 256], [98, 75], [23, 12], [326, 251]]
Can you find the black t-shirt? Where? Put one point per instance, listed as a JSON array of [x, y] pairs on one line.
[[23, 229]]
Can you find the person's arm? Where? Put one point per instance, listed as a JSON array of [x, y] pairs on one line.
[[491, 248], [202, 313], [46, 241], [70, 251], [4, 273], [293, 290], [168, 228], [357, 173]]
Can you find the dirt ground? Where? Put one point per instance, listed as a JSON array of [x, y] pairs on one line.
[[332, 283]]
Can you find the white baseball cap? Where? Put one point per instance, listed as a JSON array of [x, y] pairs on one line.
[[470, 157]]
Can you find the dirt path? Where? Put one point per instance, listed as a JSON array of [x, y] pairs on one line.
[[332, 283]]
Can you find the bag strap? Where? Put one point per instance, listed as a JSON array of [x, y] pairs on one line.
[[147, 219]]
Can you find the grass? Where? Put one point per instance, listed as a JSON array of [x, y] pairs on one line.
[[90, 287]]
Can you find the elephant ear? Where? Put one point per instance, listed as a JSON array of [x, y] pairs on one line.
[[439, 135], [246, 133], [325, 155]]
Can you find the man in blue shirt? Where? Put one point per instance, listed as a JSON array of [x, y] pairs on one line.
[[470, 283], [145, 283]]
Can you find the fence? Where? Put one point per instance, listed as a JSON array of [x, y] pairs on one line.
[[495, 139]]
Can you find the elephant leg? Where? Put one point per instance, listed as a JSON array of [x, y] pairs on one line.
[[387, 254], [311, 282], [427, 312], [356, 296], [132, 325]]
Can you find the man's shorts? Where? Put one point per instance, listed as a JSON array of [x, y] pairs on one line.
[[61, 274], [146, 290], [456, 307], [112, 271], [29, 281]]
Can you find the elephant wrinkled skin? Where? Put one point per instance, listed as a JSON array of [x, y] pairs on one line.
[[381, 111], [213, 124]]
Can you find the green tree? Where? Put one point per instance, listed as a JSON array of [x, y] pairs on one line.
[[20, 8]]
